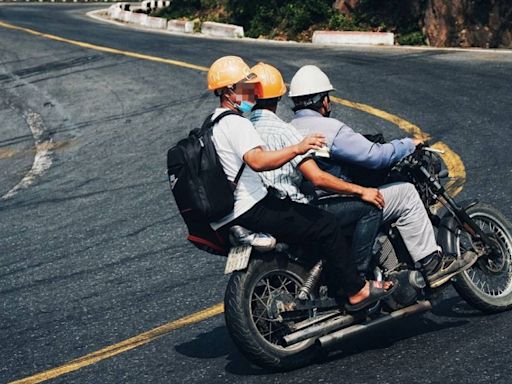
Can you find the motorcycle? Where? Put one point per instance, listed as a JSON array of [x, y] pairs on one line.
[[276, 305]]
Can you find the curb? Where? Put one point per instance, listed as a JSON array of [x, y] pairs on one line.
[[222, 30], [353, 38], [123, 11], [152, 22], [182, 26], [103, 16]]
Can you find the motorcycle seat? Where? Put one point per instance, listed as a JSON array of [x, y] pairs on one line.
[[262, 242]]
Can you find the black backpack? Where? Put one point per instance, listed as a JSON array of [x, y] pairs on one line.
[[200, 187]]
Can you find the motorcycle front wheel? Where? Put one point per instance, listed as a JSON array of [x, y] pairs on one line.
[[250, 303], [487, 285]]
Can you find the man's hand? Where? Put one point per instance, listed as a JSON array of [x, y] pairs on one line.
[[373, 196], [314, 141], [417, 142]]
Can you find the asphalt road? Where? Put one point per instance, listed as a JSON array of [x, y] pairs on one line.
[[93, 251]]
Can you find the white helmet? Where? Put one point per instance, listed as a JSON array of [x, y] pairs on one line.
[[309, 80]]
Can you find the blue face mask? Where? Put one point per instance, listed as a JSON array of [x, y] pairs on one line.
[[245, 106]]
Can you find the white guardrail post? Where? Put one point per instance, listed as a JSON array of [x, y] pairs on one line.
[[345, 37], [180, 26], [222, 30]]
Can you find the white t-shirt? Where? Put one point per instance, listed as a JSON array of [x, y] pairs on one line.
[[233, 137]]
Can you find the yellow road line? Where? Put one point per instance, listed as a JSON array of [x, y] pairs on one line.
[[455, 168], [123, 346], [408, 127], [106, 49], [453, 162]]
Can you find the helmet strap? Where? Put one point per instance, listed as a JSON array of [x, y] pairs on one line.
[[313, 102], [326, 103], [225, 99]]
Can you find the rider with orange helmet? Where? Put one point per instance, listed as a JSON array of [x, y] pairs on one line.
[[237, 142], [228, 73]]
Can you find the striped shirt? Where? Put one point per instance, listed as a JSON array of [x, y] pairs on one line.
[[277, 134]]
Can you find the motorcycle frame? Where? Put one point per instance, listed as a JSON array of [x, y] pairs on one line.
[[455, 218]]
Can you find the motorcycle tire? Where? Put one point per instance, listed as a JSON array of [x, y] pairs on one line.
[[487, 285], [240, 309]]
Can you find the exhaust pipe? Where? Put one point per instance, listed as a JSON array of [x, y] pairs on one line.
[[336, 337], [318, 329]]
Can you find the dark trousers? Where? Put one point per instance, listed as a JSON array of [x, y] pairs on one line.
[[296, 223], [364, 221]]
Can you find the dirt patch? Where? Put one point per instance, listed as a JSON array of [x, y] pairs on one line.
[[7, 153]]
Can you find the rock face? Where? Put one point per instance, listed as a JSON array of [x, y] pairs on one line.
[[346, 6], [450, 23], [466, 23]]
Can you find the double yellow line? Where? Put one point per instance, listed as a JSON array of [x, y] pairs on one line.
[[453, 163]]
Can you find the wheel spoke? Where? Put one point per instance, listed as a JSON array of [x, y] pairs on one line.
[[493, 276], [268, 289], [260, 299]]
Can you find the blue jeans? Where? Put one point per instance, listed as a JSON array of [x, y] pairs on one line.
[[362, 219], [297, 223]]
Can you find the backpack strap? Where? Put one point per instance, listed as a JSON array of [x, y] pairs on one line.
[[208, 123], [239, 174]]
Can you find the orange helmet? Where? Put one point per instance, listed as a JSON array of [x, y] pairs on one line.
[[272, 84], [229, 70]]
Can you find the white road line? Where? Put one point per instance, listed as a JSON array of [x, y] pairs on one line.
[[43, 158]]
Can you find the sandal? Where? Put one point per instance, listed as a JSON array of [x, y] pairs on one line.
[[375, 295]]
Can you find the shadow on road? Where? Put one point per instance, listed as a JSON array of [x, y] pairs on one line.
[[385, 337], [209, 345], [455, 307], [217, 342]]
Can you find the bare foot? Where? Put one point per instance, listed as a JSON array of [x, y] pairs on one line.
[[365, 291]]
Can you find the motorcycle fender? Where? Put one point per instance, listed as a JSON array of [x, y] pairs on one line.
[[446, 234]]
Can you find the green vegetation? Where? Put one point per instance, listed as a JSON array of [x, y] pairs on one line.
[[412, 38], [297, 19], [397, 16], [204, 10], [277, 17], [341, 22]]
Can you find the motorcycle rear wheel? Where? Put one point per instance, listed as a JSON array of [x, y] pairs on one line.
[[249, 318], [487, 285]]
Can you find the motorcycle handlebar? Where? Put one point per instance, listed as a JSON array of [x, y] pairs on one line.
[[432, 149]]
